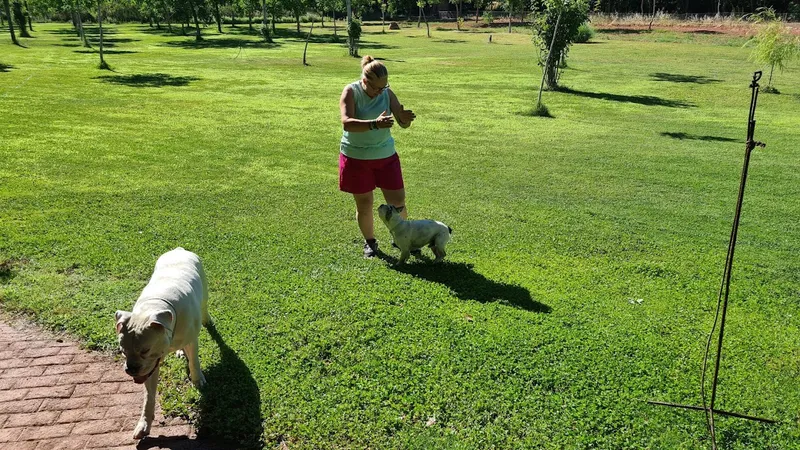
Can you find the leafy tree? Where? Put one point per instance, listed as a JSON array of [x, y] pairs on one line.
[[570, 15], [775, 46]]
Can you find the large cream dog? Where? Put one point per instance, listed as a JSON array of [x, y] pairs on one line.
[[411, 235], [167, 317]]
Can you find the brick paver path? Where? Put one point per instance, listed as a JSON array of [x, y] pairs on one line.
[[53, 395]]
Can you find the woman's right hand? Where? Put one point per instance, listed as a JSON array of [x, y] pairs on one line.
[[385, 120]]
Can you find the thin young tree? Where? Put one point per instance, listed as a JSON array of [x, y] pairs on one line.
[[775, 46], [10, 23], [103, 64]]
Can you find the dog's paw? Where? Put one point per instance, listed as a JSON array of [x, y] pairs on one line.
[[180, 354], [142, 429], [200, 382]]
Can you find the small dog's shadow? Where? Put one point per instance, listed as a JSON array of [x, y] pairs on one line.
[[230, 404], [467, 284]]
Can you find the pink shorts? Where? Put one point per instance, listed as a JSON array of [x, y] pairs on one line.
[[359, 176]]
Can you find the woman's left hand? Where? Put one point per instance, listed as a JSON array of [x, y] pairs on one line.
[[405, 117]]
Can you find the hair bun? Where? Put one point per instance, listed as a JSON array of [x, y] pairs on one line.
[[366, 60]]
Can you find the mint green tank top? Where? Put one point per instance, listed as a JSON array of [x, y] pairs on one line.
[[372, 144]]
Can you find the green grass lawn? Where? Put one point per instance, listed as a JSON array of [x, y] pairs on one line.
[[582, 276]]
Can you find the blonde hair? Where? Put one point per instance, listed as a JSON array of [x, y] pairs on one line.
[[373, 69]]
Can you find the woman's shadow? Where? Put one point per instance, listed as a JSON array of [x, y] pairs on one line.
[[467, 284]]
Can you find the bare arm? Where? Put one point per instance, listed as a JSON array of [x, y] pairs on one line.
[[347, 107], [403, 116]]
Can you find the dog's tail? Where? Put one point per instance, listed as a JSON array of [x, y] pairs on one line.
[[450, 230]]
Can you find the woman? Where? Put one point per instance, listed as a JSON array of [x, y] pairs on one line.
[[367, 156]]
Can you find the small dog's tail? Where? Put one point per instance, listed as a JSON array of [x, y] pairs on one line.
[[450, 230]]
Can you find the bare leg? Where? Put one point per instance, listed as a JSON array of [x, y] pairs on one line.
[[364, 203], [396, 198]]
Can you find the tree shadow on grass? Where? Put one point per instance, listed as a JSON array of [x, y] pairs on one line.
[[5, 67], [86, 30], [106, 52], [677, 78], [467, 284], [193, 44], [147, 80], [681, 136], [647, 100], [375, 46], [621, 31], [230, 404], [450, 41]]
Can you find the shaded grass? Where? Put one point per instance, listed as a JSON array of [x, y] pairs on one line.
[[531, 335]]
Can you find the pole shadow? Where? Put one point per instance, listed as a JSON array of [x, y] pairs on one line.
[[681, 136]]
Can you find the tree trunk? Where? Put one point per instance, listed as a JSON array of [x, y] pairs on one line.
[[322, 18], [81, 31], [250, 20], [10, 22], [233, 19], [641, 7], [509, 19], [297, 20], [150, 19], [273, 19], [264, 25], [217, 16], [771, 68], [653, 17], [458, 15], [197, 36], [307, 39], [28, 16], [476, 14], [23, 31], [334, 24], [419, 18], [383, 19], [103, 64], [427, 25]]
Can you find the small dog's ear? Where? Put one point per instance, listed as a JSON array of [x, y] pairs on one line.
[[400, 208], [161, 319], [122, 319]]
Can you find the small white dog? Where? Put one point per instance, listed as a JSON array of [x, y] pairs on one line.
[[167, 317], [410, 235]]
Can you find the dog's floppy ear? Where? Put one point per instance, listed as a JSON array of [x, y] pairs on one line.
[[400, 208], [122, 319], [161, 319]]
